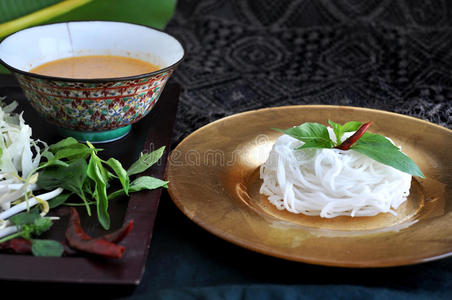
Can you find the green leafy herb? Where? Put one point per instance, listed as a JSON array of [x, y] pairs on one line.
[[67, 167], [31, 224], [99, 175], [314, 135], [145, 161], [120, 172], [141, 183], [375, 146], [24, 218], [65, 143], [382, 150], [71, 177], [46, 248], [339, 129], [147, 183], [58, 200]]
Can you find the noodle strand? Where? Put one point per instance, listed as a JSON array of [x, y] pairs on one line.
[[330, 182]]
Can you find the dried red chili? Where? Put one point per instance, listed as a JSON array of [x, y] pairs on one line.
[[345, 145], [105, 246], [17, 245], [118, 235]]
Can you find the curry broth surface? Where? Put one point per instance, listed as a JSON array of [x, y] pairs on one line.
[[95, 66]]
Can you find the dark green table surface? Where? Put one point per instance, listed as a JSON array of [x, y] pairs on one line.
[[186, 262]]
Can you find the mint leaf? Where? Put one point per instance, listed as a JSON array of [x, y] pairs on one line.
[[41, 225], [314, 135], [145, 161], [382, 150], [46, 248]]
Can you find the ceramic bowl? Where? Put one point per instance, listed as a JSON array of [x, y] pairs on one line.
[[100, 109]]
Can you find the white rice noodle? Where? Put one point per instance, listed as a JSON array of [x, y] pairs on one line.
[[330, 182]]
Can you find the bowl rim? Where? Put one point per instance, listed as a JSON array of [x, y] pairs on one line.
[[94, 80]]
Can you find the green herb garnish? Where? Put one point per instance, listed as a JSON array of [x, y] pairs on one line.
[[31, 224], [67, 167], [375, 146]]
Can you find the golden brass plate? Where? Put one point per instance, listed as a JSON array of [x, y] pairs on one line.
[[214, 180]]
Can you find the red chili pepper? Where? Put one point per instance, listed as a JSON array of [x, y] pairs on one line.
[[345, 145], [105, 245], [118, 235], [17, 245]]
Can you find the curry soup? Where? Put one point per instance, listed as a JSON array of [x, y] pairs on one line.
[[95, 66]]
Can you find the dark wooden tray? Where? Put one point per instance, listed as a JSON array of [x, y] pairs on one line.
[[152, 132]]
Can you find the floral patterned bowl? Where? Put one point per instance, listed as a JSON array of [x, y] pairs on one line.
[[98, 110]]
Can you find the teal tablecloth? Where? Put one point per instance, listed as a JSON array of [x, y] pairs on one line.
[[186, 262]]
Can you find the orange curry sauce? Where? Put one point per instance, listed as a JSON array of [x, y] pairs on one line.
[[95, 66]]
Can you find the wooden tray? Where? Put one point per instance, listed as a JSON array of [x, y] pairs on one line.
[[152, 132]]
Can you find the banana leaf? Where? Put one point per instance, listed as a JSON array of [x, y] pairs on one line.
[[12, 9], [18, 14]]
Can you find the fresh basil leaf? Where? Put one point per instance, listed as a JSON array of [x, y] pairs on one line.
[[47, 154], [98, 174], [73, 152], [139, 184], [71, 178], [58, 200], [351, 126], [314, 135], [120, 172], [46, 248], [52, 162], [337, 129], [24, 218], [382, 150], [67, 142], [147, 183], [145, 161], [70, 149]]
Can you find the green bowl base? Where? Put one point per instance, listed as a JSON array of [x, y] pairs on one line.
[[96, 136]]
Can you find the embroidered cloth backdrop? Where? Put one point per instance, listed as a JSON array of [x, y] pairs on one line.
[[248, 54]]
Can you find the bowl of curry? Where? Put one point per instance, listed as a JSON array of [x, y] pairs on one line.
[[92, 79]]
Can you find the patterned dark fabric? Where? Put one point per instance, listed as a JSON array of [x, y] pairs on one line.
[[248, 54]]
